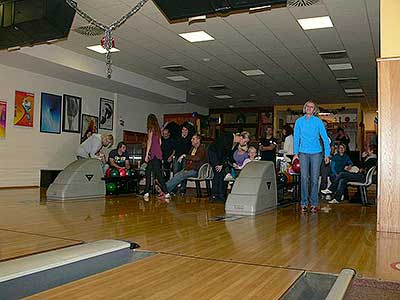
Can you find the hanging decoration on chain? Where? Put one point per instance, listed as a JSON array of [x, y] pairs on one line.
[[107, 42]]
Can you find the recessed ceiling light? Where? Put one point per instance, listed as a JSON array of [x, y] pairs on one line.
[[258, 8], [231, 106], [346, 78], [177, 78], [196, 36], [206, 59], [284, 93], [315, 23], [223, 97], [353, 91], [339, 67], [256, 72], [101, 50]]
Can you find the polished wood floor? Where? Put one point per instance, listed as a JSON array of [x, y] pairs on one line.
[[282, 240]]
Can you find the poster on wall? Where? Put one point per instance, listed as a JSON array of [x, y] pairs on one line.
[[106, 114], [24, 109], [3, 119], [72, 113], [89, 126], [50, 113]]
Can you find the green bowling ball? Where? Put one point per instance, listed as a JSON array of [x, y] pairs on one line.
[[114, 173], [111, 187], [129, 172]]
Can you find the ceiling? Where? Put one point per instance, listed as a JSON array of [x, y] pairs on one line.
[[271, 41]]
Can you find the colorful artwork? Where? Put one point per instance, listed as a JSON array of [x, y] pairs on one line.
[[24, 108], [3, 118], [106, 114], [89, 126], [72, 113], [50, 113]]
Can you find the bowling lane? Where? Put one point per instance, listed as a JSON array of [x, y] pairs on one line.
[[16, 244], [174, 277]]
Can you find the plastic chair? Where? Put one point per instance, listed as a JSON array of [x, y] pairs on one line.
[[205, 174], [364, 185]]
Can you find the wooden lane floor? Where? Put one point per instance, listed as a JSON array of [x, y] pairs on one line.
[[343, 236], [173, 277], [17, 244]]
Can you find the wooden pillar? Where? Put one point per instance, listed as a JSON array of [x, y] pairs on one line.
[[389, 119], [389, 145]]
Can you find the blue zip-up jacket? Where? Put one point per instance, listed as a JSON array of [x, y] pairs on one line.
[[307, 134], [338, 163]]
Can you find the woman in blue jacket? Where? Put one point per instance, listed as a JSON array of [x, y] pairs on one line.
[[308, 131]]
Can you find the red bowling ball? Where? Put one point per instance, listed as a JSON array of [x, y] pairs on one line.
[[108, 172], [122, 172], [296, 166]]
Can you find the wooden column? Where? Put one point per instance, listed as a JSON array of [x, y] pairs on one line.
[[389, 145]]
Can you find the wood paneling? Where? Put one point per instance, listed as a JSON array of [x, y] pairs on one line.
[[174, 277], [16, 244], [389, 146]]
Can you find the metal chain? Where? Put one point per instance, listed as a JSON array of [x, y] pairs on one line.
[[108, 41]]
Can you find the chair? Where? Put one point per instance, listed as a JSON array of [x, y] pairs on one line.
[[362, 186], [205, 174]]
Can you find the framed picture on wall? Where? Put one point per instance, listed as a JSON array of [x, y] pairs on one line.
[[106, 114], [89, 126], [72, 113], [50, 113], [24, 109], [3, 119]]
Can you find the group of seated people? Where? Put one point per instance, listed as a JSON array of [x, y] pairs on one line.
[[343, 171]]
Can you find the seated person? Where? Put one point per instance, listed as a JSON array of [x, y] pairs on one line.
[[339, 185], [94, 147], [252, 155], [194, 160], [239, 156], [119, 158], [340, 162]]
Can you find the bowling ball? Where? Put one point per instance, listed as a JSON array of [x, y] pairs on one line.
[[122, 172], [129, 172], [108, 172], [114, 173], [111, 187], [282, 179], [296, 166]]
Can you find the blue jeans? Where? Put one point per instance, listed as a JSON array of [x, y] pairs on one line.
[[179, 177], [339, 185], [310, 165]]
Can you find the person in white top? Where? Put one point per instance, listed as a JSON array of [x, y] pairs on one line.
[[94, 147], [288, 142]]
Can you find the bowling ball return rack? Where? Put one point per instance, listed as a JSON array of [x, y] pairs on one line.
[[126, 184]]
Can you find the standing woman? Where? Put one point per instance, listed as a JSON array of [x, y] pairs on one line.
[[153, 157], [308, 131]]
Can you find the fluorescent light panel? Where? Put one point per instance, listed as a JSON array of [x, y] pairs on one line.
[[256, 72], [284, 94], [101, 50], [254, 9], [340, 67], [315, 23], [196, 36], [353, 91], [177, 78], [223, 97]]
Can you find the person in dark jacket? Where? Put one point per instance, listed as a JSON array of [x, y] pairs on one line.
[[194, 160], [339, 185], [219, 153], [182, 146]]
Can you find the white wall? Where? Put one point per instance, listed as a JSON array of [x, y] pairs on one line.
[[25, 151]]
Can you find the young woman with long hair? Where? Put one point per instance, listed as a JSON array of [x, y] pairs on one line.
[[153, 157]]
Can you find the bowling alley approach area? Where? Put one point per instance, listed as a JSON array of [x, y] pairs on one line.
[[192, 256], [200, 149]]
